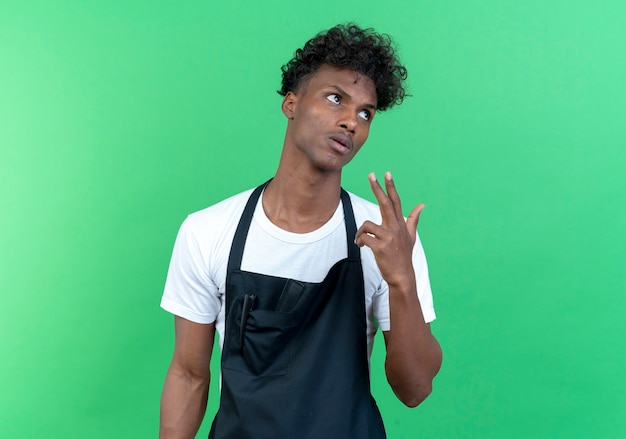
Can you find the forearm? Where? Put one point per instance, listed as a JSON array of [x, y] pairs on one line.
[[413, 354], [183, 404]]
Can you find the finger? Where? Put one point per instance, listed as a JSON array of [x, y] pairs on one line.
[[413, 219], [384, 204], [369, 228], [393, 195], [368, 240]]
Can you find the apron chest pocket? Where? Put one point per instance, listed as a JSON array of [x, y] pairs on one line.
[[259, 346]]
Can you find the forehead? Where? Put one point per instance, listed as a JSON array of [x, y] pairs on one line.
[[354, 83]]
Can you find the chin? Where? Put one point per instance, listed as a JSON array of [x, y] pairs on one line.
[[331, 167]]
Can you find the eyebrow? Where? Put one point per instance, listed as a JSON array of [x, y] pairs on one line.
[[345, 93]]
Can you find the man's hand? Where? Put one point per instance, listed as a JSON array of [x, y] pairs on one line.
[[392, 241]]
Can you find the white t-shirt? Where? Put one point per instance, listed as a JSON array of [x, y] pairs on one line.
[[196, 279]]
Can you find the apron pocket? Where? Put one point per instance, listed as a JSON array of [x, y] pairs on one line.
[[266, 343]]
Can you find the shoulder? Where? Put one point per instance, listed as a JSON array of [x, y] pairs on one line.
[[214, 224]]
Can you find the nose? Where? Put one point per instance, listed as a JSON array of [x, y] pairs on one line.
[[348, 121]]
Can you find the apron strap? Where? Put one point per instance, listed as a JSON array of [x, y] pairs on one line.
[[353, 250], [239, 241]]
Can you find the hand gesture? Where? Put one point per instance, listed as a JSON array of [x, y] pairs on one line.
[[392, 241]]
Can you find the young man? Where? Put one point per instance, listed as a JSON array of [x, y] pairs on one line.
[[293, 288]]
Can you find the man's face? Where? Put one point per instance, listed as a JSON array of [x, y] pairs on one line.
[[329, 117]]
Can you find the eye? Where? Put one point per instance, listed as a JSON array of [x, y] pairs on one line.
[[334, 98], [365, 115]]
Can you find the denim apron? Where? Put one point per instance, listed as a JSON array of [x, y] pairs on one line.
[[294, 360]]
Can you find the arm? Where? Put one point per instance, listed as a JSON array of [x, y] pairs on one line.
[[184, 397], [413, 354]]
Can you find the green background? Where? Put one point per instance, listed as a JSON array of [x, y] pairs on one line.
[[117, 119]]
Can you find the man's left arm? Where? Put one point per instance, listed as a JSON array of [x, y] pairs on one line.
[[413, 354]]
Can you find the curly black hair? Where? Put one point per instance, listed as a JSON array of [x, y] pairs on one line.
[[348, 45]]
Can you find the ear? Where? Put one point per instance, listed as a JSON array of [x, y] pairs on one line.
[[289, 105]]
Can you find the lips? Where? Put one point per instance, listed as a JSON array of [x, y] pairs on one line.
[[341, 142]]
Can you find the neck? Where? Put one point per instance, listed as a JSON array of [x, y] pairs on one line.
[[301, 202]]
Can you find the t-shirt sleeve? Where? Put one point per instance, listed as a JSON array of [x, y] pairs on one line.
[[424, 292], [189, 291]]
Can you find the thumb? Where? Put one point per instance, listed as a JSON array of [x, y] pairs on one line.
[[413, 219]]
